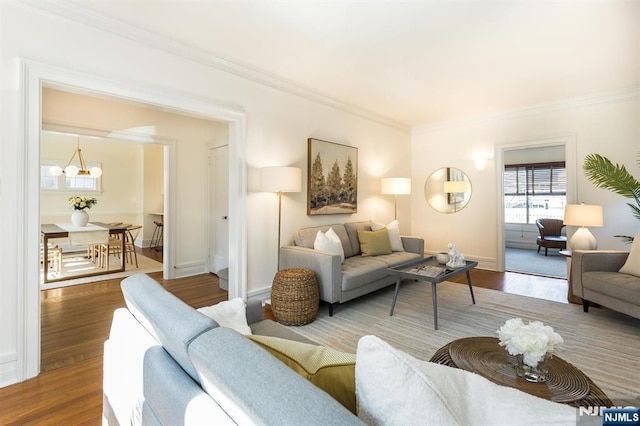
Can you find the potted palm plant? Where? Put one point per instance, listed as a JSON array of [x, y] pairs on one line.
[[614, 177]]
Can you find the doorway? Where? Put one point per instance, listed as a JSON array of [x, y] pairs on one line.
[[517, 237], [39, 75]]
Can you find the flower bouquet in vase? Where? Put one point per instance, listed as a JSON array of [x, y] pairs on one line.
[[532, 344], [80, 217]]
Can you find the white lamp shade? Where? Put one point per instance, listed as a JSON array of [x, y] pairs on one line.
[[71, 170], [281, 179], [455, 186], [55, 171], [395, 186], [95, 172], [583, 215]]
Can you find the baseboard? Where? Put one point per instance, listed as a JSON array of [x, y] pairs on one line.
[[189, 269], [8, 369], [262, 294]]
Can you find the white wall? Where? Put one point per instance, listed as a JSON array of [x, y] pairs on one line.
[[610, 126], [278, 125]]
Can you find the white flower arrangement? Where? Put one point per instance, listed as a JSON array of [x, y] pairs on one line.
[[533, 341], [81, 203]]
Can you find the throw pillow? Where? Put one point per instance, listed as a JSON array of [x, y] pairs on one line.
[[330, 370], [393, 387], [329, 242], [394, 234], [229, 313], [373, 243], [632, 265]]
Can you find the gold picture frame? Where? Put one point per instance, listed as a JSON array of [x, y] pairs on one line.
[[332, 178]]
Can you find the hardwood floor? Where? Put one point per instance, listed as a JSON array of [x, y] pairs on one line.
[[76, 321]]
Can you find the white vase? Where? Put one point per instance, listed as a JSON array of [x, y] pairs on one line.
[[79, 218]]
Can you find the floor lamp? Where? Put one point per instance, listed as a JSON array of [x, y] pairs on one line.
[[583, 215], [279, 180], [395, 187]]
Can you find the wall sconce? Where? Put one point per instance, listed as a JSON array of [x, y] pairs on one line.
[[481, 164], [583, 215], [395, 187], [279, 180]]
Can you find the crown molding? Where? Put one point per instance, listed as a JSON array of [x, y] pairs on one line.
[[543, 108], [75, 11]]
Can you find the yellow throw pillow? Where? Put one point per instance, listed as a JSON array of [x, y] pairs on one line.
[[373, 243], [330, 370]]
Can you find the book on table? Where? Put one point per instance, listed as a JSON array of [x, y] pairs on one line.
[[428, 271]]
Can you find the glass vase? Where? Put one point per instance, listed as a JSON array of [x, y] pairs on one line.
[[537, 374]]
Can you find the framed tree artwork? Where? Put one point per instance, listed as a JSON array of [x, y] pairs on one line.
[[332, 186]]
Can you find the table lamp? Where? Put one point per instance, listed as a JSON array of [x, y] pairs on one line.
[[583, 215], [279, 180], [395, 187]]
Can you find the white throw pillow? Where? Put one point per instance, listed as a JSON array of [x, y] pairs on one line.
[[230, 314], [393, 388], [632, 265], [394, 234], [329, 242]]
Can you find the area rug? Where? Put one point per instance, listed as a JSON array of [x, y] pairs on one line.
[[531, 262], [79, 264], [602, 343]]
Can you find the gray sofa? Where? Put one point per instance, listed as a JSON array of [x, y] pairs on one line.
[[167, 364], [340, 281], [595, 278]]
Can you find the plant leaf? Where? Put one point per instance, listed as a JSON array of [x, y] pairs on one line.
[[614, 177]]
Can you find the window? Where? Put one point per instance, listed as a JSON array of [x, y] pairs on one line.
[[533, 191], [47, 180], [78, 183]]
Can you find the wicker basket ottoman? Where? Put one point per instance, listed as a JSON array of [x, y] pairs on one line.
[[294, 296]]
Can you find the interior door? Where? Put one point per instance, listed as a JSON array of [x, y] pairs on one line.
[[218, 208]]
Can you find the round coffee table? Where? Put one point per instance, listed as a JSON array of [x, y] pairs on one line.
[[484, 356]]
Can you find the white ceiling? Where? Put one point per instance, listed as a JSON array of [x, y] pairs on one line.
[[413, 62]]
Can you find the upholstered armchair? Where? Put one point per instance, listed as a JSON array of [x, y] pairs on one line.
[[550, 234]]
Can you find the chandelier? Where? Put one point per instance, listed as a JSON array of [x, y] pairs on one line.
[[72, 170]]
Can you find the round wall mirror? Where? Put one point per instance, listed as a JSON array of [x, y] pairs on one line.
[[448, 190]]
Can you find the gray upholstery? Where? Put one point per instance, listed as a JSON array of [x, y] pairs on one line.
[[237, 380], [172, 322], [173, 396], [340, 281], [595, 278]]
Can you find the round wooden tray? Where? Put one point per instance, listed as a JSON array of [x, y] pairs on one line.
[[484, 356]]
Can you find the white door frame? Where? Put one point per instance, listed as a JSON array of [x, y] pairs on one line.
[[33, 77], [569, 142]]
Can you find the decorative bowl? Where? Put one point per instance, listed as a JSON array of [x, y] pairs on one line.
[[442, 258]]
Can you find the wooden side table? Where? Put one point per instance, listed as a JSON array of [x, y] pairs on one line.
[[484, 356], [572, 298]]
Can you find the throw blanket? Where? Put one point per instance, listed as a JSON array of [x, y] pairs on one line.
[[86, 235]]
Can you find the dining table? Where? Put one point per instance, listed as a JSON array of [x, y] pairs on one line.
[[92, 234]]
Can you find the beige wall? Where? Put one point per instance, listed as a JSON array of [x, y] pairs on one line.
[[610, 127]]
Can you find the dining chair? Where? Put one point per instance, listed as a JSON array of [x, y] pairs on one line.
[[130, 243], [113, 247]]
